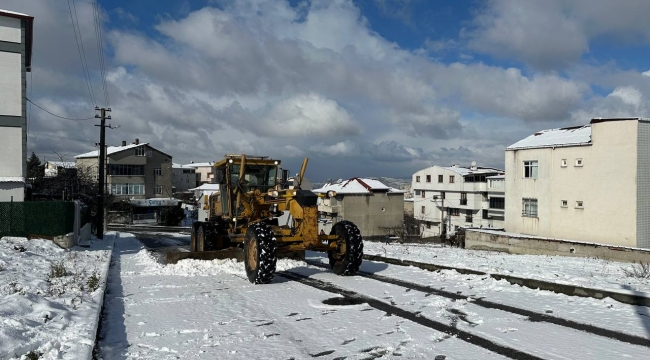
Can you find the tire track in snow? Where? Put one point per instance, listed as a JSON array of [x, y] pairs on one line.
[[480, 301], [416, 318]]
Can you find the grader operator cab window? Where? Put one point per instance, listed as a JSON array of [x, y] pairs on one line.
[[260, 177]]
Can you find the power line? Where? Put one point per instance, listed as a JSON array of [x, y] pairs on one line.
[[100, 49], [81, 57], [53, 114]]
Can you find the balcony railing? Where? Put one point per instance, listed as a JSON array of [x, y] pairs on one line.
[[468, 219], [463, 201]]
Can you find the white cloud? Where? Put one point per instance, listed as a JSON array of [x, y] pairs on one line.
[[628, 95]]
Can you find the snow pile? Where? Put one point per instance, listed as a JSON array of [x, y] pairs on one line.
[[586, 272], [49, 298]]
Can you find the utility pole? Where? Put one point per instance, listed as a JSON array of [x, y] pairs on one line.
[[102, 155]]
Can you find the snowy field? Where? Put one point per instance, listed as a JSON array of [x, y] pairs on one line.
[[586, 272], [49, 298]]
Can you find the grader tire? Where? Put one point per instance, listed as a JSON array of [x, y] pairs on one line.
[[193, 238], [259, 254], [349, 254]]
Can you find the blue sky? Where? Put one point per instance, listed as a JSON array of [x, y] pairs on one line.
[[363, 88]]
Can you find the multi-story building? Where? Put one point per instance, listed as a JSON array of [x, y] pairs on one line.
[[203, 171], [374, 207], [455, 195], [183, 177], [589, 183], [134, 171], [15, 61]]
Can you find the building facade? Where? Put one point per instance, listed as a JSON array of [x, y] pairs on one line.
[[15, 61], [183, 177], [589, 183], [455, 195], [374, 207], [203, 171], [54, 168], [135, 171]]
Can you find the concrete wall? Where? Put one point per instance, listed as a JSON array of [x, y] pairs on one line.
[[12, 189], [10, 84], [520, 244], [606, 184], [643, 186], [371, 212], [11, 160]]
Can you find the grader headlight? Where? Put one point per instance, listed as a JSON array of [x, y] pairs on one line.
[[273, 193]]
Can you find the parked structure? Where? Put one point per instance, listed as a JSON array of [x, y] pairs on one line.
[[371, 205], [15, 61], [135, 171], [589, 183], [183, 177], [203, 171], [54, 168], [455, 194]]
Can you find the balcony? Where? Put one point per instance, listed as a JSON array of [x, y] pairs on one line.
[[463, 201]]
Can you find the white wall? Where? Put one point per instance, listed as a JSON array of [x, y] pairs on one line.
[[11, 149], [10, 84], [9, 189], [10, 29]]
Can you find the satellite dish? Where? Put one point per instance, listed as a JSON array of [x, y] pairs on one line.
[[473, 163]]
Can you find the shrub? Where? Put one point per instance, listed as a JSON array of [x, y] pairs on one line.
[[638, 270], [58, 270], [33, 355], [93, 282]]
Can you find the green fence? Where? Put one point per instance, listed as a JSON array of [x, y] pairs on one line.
[[51, 218]]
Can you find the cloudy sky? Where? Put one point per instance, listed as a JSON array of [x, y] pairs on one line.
[[362, 88]]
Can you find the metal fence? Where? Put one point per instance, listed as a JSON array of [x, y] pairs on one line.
[[48, 218]]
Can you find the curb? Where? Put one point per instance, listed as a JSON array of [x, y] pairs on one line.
[[565, 289], [100, 309]]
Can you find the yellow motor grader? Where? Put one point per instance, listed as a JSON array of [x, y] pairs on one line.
[[256, 216]]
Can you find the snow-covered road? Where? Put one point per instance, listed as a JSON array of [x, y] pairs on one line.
[[207, 309]]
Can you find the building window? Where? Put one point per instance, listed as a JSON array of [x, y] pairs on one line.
[[454, 212], [428, 178], [127, 189], [578, 162], [485, 196], [139, 151], [497, 203], [451, 179], [423, 210], [157, 190], [468, 215], [564, 203], [579, 205], [417, 192], [440, 178], [529, 207], [188, 171], [125, 170], [424, 194], [417, 178], [485, 214], [428, 225], [563, 164], [463, 198], [530, 169], [157, 171]]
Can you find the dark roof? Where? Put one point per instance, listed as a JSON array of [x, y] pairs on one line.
[[29, 33]]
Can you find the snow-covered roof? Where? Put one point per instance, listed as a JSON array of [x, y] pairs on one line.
[[7, 12], [496, 177], [181, 166], [203, 164], [357, 186], [207, 187], [110, 150], [569, 136], [63, 164], [469, 171], [6, 179]]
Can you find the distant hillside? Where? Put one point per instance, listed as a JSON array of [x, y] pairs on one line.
[[388, 181]]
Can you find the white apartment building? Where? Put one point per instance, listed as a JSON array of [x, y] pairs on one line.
[[588, 183], [15, 61], [203, 171], [457, 195], [183, 177]]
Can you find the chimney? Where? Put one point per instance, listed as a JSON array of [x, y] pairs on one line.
[[123, 142], [137, 141]]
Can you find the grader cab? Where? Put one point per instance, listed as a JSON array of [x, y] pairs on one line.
[[257, 216]]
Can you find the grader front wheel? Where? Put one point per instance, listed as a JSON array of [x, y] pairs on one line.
[[259, 254], [347, 257]]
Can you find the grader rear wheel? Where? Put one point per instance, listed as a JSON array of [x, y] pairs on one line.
[[259, 254], [347, 257], [200, 239], [193, 239]]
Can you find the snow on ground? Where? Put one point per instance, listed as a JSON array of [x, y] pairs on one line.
[[579, 271], [209, 310], [50, 298]]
